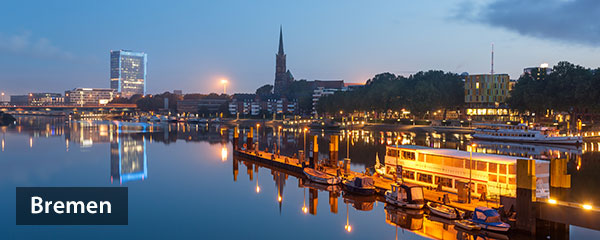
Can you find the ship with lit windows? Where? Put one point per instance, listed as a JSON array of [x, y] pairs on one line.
[[523, 133], [451, 170]]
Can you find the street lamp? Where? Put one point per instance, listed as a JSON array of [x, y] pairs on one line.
[[224, 82]]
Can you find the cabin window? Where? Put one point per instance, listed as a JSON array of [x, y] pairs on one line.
[[454, 162], [512, 180], [416, 193], [469, 165], [446, 182], [408, 155], [502, 168], [493, 168], [424, 178], [511, 169], [392, 152], [481, 188], [502, 179], [481, 166], [408, 174], [492, 178], [435, 159]]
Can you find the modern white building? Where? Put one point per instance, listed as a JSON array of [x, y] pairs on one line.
[[90, 96]]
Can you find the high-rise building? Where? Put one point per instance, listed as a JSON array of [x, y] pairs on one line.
[[538, 73], [128, 72], [283, 77]]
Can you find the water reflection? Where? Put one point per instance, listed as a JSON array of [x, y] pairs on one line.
[[128, 146]]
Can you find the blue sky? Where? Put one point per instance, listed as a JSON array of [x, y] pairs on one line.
[[53, 46]]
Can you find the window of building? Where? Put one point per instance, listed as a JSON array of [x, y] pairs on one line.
[[493, 168], [408, 155], [408, 174], [492, 177], [502, 168], [446, 182], [426, 178]]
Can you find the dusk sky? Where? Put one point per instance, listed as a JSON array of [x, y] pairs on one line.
[[53, 46]]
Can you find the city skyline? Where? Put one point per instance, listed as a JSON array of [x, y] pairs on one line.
[[193, 46]]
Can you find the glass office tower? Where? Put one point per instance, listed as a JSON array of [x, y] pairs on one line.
[[128, 72]]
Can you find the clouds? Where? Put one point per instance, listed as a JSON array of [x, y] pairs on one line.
[[573, 21], [27, 45]]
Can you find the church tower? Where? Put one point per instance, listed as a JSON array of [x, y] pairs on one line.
[[282, 76]]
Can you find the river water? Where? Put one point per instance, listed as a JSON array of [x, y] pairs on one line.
[[184, 182]]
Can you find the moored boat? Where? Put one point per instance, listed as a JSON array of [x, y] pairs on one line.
[[443, 210], [320, 177], [362, 185], [523, 133], [406, 195], [489, 219]]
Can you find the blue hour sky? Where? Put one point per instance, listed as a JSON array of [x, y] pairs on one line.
[[52, 46]]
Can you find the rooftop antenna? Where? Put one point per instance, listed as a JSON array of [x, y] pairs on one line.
[[492, 72]]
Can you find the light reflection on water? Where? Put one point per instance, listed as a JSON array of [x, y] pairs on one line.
[[180, 182]]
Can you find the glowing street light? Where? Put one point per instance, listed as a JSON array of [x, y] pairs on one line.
[[224, 83], [587, 207]]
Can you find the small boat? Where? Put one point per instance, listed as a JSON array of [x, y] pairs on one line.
[[523, 133], [489, 219], [442, 210], [360, 185], [320, 177], [406, 195], [466, 224], [380, 169]]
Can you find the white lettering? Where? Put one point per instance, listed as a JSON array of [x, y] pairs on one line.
[[91, 207], [48, 204], [36, 203], [74, 205], [105, 203], [58, 206]]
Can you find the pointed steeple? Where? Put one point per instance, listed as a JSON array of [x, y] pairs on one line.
[[280, 40]]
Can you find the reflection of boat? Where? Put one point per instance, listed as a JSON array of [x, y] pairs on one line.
[[320, 177], [360, 202], [406, 195], [467, 224], [154, 119], [442, 210], [322, 187], [404, 218], [523, 133], [489, 219], [535, 150], [362, 185]]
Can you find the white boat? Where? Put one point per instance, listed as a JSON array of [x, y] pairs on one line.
[[320, 177], [406, 196], [452, 170], [523, 133], [489, 219], [442, 210]]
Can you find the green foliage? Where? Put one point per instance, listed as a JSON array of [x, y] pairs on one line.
[[421, 92], [265, 91], [569, 88]]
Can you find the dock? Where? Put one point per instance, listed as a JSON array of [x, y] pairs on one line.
[[382, 184]]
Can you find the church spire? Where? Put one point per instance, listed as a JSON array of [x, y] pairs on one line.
[[280, 40]]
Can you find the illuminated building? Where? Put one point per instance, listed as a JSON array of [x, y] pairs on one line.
[[37, 99], [90, 96], [128, 72], [538, 73]]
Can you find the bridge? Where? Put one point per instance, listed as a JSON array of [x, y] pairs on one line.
[[67, 109]]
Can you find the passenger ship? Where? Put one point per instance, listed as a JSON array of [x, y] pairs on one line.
[[523, 133], [493, 174]]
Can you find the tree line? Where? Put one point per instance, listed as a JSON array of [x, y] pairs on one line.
[[419, 93]]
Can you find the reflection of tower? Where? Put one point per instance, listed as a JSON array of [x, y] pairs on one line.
[[249, 170], [313, 200], [236, 167], [333, 201], [279, 178], [128, 160]]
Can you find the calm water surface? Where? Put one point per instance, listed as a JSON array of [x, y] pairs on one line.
[[184, 183]]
